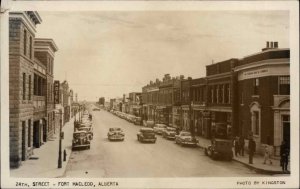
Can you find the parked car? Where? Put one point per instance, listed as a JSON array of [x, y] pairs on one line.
[[146, 135], [220, 148], [89, 131], [185, 138], [96, 109], [169, 133], [115, 134], [149, 123], [138, 121], [158, 128], [80, 140]]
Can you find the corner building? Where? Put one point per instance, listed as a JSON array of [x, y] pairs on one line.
[[264, 96], [22, 29]]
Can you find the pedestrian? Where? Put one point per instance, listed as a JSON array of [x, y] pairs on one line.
[[236, 146], [267, 151], [284, 155], [251, 148], [242, 145]]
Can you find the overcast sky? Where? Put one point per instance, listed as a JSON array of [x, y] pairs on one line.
[[113, 53]]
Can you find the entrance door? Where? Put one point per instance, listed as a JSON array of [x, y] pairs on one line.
[[36, 137], [44, 131], [23, 141], [286, 128]]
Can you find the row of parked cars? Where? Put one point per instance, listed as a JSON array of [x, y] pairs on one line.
[[219, 148], [83, 132], [131, 118]]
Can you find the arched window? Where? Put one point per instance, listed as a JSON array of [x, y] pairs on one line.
[[255, 110]]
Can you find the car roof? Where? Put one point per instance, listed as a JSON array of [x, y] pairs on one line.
[[115, 128], [160, 124], [146, 129], [185, 132]]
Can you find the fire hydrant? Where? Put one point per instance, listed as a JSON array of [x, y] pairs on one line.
[[65, 155]]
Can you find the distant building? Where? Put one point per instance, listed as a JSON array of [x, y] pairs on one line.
[[102, 101]]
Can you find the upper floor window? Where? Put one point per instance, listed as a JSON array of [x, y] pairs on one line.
[[284, 85], [30, 47], [25, 42], [29, 87], [256, 85], [24, 86]]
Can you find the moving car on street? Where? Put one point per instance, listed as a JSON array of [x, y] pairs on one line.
[[158, 128], [185, 138], [146, 135], [80, 140], [115, 134], [169, 133], [220, 148]]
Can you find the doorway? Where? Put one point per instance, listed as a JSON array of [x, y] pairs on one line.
[[36, 136], [23, 141], [286, 128]]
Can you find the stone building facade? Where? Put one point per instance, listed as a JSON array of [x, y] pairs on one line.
[[22, 29]]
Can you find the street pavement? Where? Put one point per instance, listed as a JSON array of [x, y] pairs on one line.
[[131, 158]]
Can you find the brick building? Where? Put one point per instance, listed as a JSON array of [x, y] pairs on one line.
[[44, 126], [150, 100], [22, 29], [264, 96], [134, 102]]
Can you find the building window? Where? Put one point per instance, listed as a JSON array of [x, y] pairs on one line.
[[256, 85], [35, 84], [30, 47], [29, 133], [284, 85], [24, 86], [29, 87], [25, 42], [255, 120]]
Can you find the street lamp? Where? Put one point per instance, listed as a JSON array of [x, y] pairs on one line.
[[60, 138]]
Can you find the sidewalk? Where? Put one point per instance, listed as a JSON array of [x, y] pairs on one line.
[[258, 160], [46, 164]]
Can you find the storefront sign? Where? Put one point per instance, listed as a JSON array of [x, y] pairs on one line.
[[56, 92]]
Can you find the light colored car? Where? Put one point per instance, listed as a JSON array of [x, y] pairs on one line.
[[185, 138], [89, 131], [158, 128], [115, 134], [169, 133]]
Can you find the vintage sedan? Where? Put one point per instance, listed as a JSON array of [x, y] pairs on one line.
[[169, 133], [115, 134], [220, 149], [80, 140], [185, 138], [146, 135], [89, 131], [138, 121], [158, 128]]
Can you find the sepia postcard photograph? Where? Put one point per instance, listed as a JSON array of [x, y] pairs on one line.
[[149, 94]]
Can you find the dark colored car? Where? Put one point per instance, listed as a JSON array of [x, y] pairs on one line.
[[138, 121], [185, 138], [146, 135], [96, 109], [80, 140], [89, 131], [115, 134], [220, 148]]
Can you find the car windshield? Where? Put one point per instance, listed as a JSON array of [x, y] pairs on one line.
[[115, 129], [185, 134]]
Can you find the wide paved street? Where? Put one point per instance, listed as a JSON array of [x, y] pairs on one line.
[[131, 158]]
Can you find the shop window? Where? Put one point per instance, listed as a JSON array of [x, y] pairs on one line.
[[256, 85], [284, 85]]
